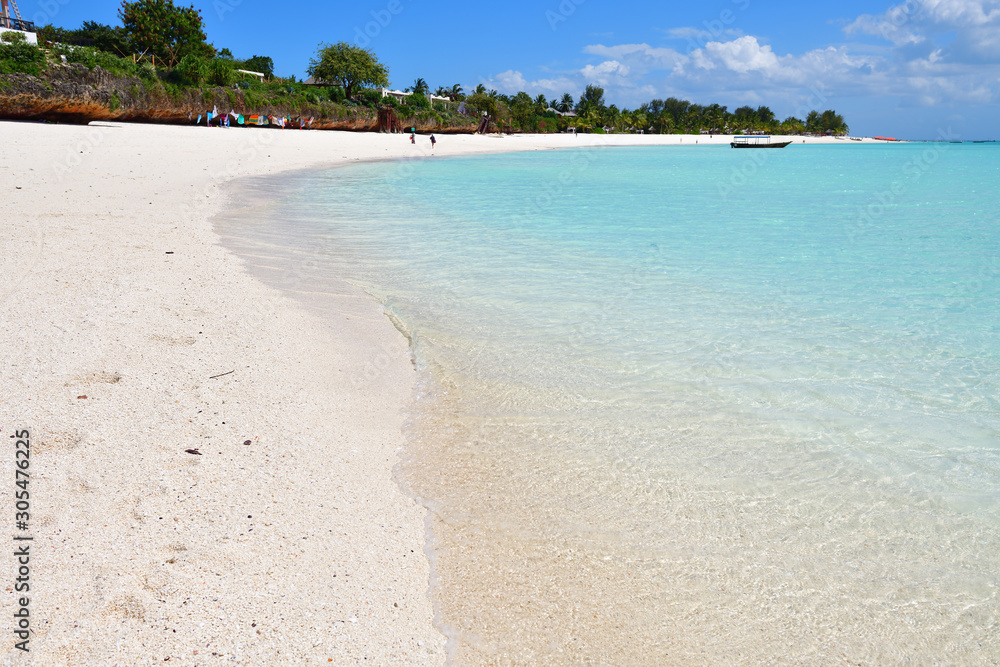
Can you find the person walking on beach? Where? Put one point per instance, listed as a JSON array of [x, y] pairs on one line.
[[413, 138], [433, 141]]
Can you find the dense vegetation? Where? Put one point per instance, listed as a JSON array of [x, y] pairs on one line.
[[165, 47]]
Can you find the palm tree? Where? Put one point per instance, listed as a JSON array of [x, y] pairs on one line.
[[480, 90], [420, 86], [566, 103], [612, 116], [455, 92]]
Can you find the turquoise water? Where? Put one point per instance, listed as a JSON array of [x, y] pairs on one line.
[[691, 405]]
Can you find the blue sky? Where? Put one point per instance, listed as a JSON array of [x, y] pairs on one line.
[[911, 69]]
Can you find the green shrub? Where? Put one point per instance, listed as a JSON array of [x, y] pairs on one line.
[[13, 37], [336, 94], [220, 72], [370, 98], [418, 101], [92, 57], [191, 70], [253, 99], [21, 57]]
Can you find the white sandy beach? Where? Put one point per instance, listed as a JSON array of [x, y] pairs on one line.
[[128, 335]]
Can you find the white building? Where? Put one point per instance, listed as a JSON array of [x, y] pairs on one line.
[[14, 23], [400, 96]]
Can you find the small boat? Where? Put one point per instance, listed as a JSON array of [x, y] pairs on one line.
[[757, 141]]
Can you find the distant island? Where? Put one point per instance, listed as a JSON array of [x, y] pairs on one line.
[[158, 66]]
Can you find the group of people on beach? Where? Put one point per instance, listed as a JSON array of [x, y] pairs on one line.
[[413, 139]]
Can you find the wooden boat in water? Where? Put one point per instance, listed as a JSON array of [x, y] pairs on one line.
[[756, 141]]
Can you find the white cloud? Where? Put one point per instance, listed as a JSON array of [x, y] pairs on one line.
[[937, 52], [971, 28], [640, 56], [513, 81], [604, 71], [743, 54], [510, 80]]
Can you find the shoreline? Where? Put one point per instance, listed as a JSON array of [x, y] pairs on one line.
[[123, 313]]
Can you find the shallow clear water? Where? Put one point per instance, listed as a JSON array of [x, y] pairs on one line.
[[689, 405]]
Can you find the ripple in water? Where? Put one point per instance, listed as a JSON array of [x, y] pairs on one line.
[[686, 405]]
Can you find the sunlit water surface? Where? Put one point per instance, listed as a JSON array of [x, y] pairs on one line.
[[686, 405]]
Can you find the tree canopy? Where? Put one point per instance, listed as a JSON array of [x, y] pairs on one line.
[[829, 120], [348, 66], [165, 30], [262, 64], [592, 98]]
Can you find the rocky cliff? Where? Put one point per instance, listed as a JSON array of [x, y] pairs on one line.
[[74, 93]]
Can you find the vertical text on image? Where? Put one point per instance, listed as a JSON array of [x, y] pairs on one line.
[[22, 541]]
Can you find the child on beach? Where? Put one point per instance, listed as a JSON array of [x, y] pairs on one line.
[[413, 138], [433, 141]]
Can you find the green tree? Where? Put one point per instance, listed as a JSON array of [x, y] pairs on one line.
[[640, 121], [765, 114], [715, 117], [745, 118], [612, 117], [828, 120], [833, 121], [106, 38], [481, 102], [262, 64], [792, 125], [418, 100], [522, 109], [592, 98], [420, 86], [566, 103], [162, 29], [342, 64]]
